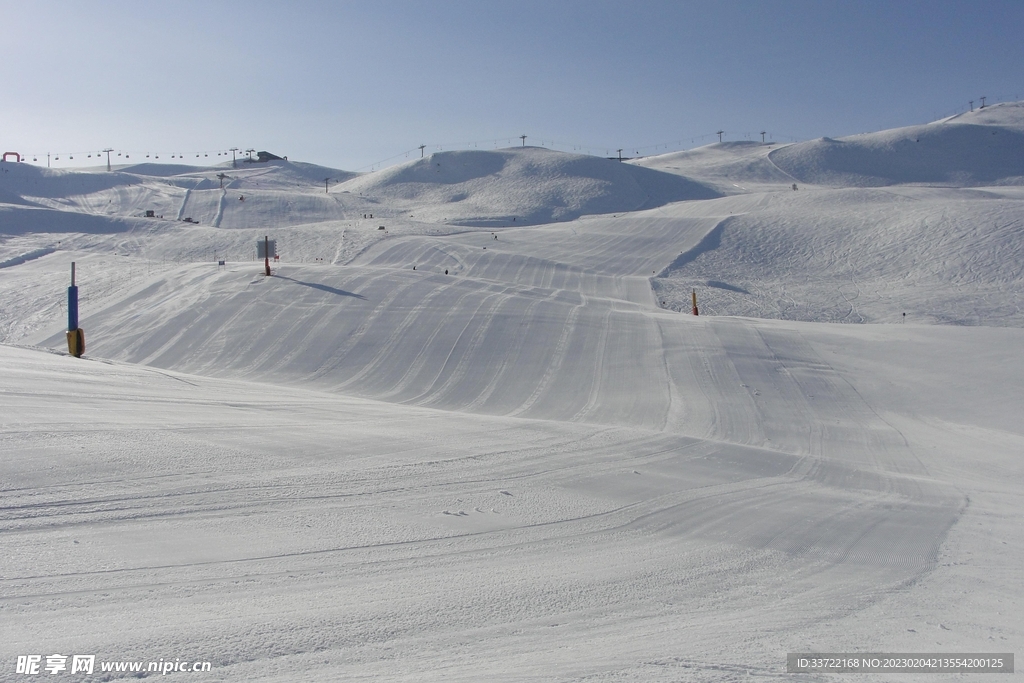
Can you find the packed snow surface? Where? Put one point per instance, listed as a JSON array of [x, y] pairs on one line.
[[469, 431]]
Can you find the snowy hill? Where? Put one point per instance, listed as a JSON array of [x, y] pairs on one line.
[[530, 185], [985, 147], [729, 167]]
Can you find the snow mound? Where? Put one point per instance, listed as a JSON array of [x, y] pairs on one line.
[[985, 147], [531, 185], [728, 167]]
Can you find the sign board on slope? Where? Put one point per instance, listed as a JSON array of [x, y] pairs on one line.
[[261, 249]]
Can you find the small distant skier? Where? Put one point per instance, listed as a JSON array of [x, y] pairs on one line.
[[445, 271], [241, 198]]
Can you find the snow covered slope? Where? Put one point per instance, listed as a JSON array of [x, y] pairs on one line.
[[447, 451], [984, 147], [281, 533], [729, 167], [836, 250], [530, 185], [279, 193], [953, 256]]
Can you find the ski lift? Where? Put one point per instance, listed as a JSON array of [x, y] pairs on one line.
[[147, 156], [33, 158], [197, 156], [89, 156], [71, 157], [125, 156], [118, 154]]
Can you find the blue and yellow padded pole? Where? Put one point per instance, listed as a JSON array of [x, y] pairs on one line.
[[76, 337]]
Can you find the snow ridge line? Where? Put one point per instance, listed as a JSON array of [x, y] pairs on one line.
[[711, 241], [27, 256]]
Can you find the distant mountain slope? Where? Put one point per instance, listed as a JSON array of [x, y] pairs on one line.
[[288, 173], [531, 185], [728, 167], [279, 193], [985, 147]]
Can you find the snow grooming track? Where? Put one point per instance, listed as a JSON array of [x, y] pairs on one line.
[[220, 207], [724, 528], [184, 200]]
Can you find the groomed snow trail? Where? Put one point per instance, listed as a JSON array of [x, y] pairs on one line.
[[276, 530], [531, 466]]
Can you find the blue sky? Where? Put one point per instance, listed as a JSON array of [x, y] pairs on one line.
[[354, 84]]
